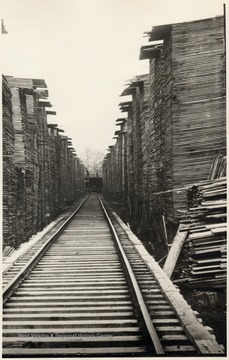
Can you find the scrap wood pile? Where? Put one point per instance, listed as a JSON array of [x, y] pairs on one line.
[[205, 221]]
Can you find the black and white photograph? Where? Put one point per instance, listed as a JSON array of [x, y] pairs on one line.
[[114, 179]]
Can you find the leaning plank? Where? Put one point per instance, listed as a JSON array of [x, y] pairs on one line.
[[174, 252]]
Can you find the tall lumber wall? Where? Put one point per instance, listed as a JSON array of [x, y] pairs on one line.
[[176, 122], [41, 175]]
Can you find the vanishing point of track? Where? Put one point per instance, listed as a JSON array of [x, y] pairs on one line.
[[88, 292]]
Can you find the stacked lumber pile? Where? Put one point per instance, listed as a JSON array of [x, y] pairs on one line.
[[121, 161], [19, 121], [107, 173], [137, 143], [73, 172], [171, 141], [21, 140], [115, 168], [32, 164], [9, 186], [206, 224], [25, 156], [168, 127], [79, 179], [39, 171], [26, 122], [130, 169], [32, 161], [161, 131], [113, 151], [127, 107], [54, 205], [63, 169], [48, 215], [199, 110], [105, 166], [124, 185], [145, 131], [58, 161], [70, 175], [77, 175], [187, 106], [134, 90], [160, 124], [44, 196]]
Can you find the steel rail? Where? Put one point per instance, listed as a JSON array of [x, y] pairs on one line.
[[144, 311], [17, 279]]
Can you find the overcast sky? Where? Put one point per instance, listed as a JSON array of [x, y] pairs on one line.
[[86, 50]]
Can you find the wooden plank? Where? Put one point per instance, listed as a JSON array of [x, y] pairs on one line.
[[174, 252], [66, 309], [185, 349], [9, 341], [78, 330], [68, 323], [65, 316], [73, 351], [66, 303], [72, 297]]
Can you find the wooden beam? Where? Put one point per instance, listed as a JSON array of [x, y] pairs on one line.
[[48, 112], [174, 252], [150, 51]]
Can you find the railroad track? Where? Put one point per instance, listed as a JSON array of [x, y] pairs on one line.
[[90, 291]]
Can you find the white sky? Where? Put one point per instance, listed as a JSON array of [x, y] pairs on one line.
[[86, 50]]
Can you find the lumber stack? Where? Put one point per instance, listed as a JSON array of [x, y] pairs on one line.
[[62, 167], [25, 156], [145, 131], [58, 161], [115, 169], [126, 107], [176, 121], [39, 170], [54, 190], [206, 223], [115, 164], [79, 179], [130, 168], [119, 162], [21, 140], [198, 111], [161, 131], [70, 175], [32, 161], [151, 147], [169, 132], [9, 185], [136, 140], [187, 106]]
